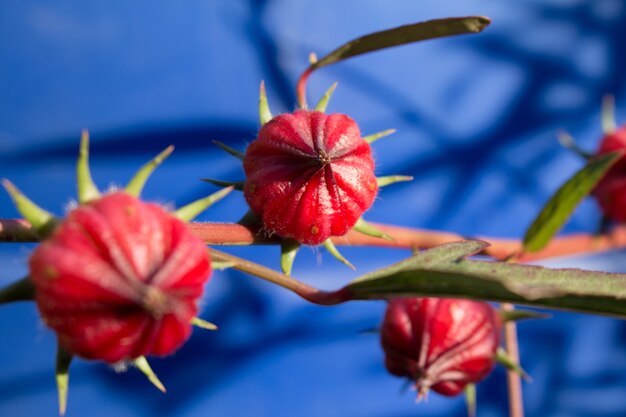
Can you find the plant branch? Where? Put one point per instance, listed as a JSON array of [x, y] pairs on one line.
[[513, 378]]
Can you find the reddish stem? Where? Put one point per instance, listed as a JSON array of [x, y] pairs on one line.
[[301, 87]]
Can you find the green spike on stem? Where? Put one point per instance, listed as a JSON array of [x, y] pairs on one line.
[[364, 227], [229, 150], [42, 221], [136, 184], [392, 179], [332, 249], [21, 290], [288, 251], [191, 210], [323, 103], [237, 185], [62, 374], [265, 115], [470, 399], [503, 358], [87, 189], [142, 364], [221, 265], [608, 114], [567, 141], [203, 324], [517, 315], [378, 135]]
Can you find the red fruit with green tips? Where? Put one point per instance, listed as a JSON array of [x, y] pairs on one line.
[[441, 344], [611, 190], [119, 279], [309, 175]]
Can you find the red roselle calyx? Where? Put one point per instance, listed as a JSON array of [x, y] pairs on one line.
[[611, 190], [440, 343], [119, 279], [309, 175]]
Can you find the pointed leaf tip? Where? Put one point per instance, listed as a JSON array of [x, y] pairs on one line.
[[288, 251], [392, 179], [332, 249], [237, 185], [62, 376], [364, 227], [503, 358], [43, 222], [378, 135], [136, 184], [323, 103], [191, 210], [229, 150], [203, 324], [142, 364], [265, 115], [87, 189]]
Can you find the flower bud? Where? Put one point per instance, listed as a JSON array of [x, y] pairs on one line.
[[611, 190], [310, 176], [119, 279], [441, 344]]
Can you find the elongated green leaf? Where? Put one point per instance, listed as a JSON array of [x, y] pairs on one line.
[[136, 184], [440, 272], [232, 151], [62, 374], [402, 35], [561, 205]]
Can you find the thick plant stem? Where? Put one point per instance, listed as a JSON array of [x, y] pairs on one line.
[[305, 291], [13, 230], [513, 378]]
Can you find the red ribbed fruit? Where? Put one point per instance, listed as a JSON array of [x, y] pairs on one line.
[[309, 176], [119, 279], [441, 344], [611, 190]]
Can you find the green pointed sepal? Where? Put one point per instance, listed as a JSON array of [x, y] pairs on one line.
[[136, 184], [203, 324], [265, 115], [191, 210], [62, 375], [567, 141], [608, 114], [364, 227], [237, 185], [517, 315], [503, 358], [323, 103], [229, 150], [332, 249], [21, 290], [288, 251], [42, 221], [470, 399], [392, 179], [221, 265], [87, 189], [142, 364], [378, 135]]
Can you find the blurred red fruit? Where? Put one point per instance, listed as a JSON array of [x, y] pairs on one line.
[[611, 190], [119, 279], [309, 176], [440, 343]]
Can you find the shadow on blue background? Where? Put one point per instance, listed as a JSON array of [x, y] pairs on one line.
[[476, 119]]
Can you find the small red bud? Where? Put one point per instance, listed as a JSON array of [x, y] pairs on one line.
[[309, 175], [611, 190], [119, 279], [440, 343]]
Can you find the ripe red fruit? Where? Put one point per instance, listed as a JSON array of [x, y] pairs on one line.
[[611, 190], [119, 279], [440, 343], [310, 175]]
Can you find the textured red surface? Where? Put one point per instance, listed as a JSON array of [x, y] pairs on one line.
[[119, 279], [440, 343], [611, 191], [309, 176]]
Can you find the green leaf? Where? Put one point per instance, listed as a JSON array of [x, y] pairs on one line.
[[229, 150], [364, 227], [191, 210], [136, 184], [323, 103], [503, 358], [439, 272], [560, 206], [332, 249], [378, 135], [265, 115], [87, 189], [62, 374], [142, 364], [403, 35], [288, 251], [392, 179], [43, 222], [237, 185], [517, 315], [203, 324]]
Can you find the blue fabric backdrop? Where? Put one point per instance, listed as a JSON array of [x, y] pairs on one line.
[[476, 119]]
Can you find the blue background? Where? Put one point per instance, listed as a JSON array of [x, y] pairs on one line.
[[476, 119]]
